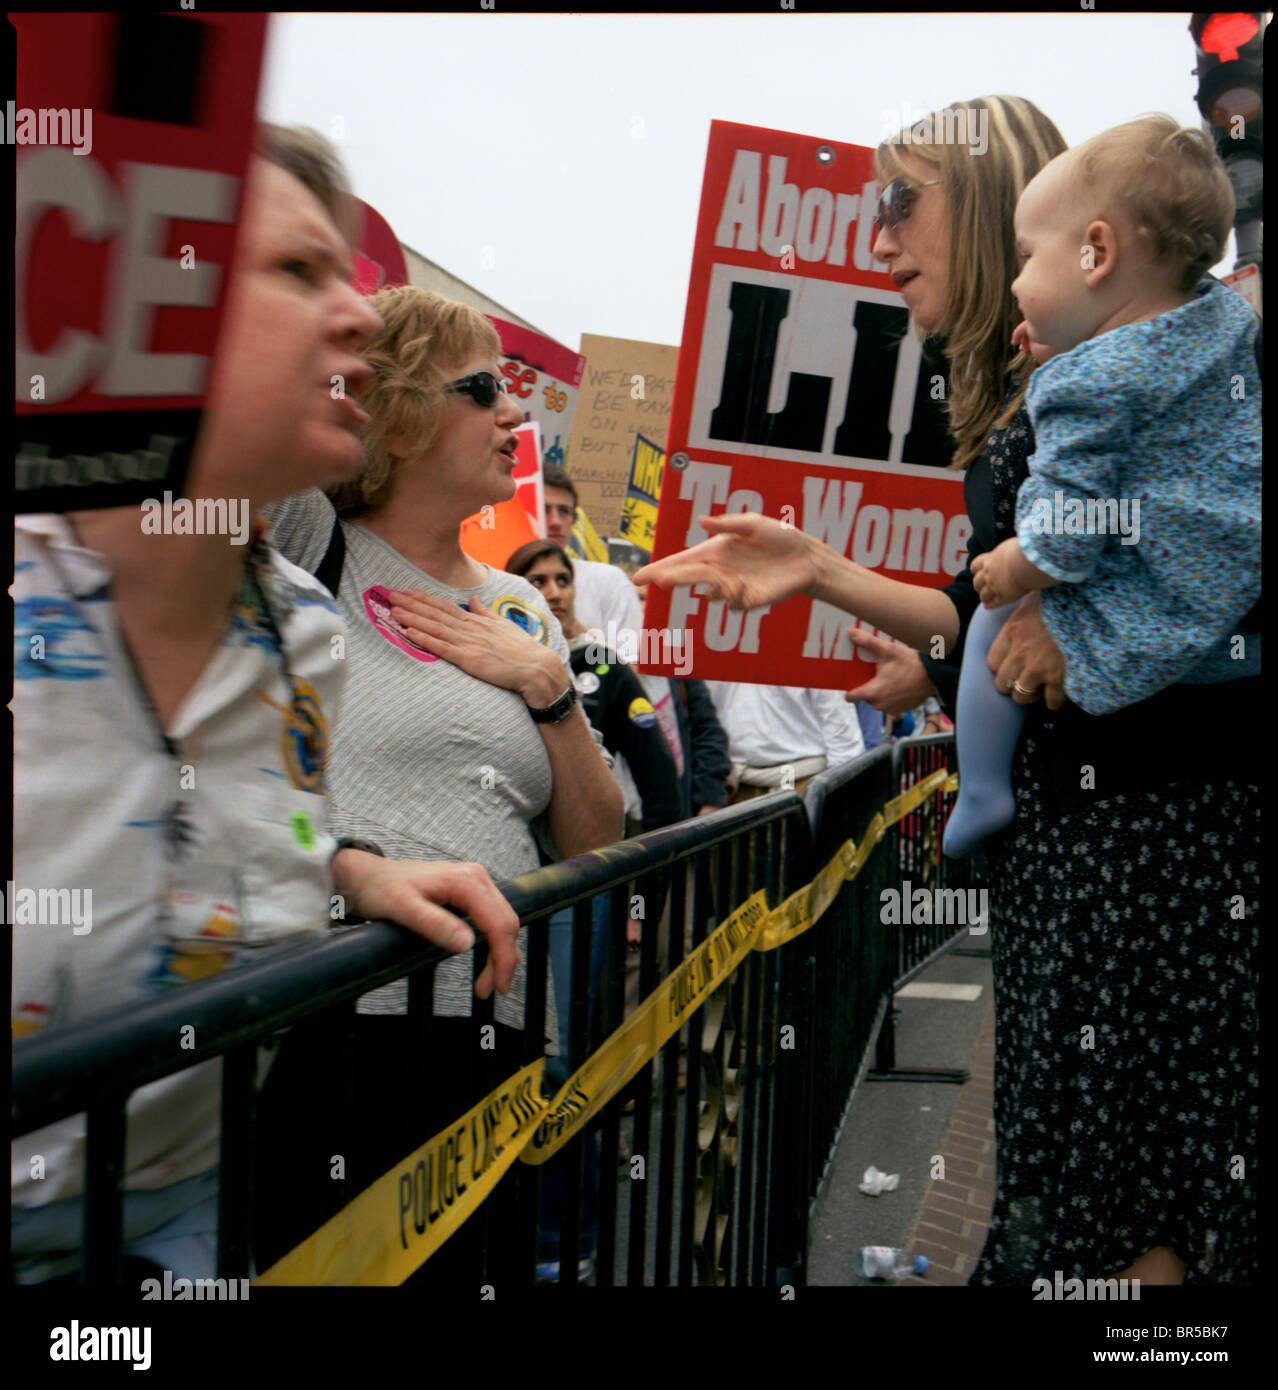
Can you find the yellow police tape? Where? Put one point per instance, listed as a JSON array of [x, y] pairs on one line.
[[397, 1223]]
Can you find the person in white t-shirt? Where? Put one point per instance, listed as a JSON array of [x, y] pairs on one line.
[[782, 736], [172, 731]]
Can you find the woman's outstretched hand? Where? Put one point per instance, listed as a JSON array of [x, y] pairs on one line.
[[749, 560]]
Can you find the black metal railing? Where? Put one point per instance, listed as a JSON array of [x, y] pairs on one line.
[[731, 1157]]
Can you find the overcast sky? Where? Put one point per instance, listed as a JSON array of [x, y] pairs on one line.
[[555, 162]]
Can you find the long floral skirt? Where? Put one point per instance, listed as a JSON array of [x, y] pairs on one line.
[[1126, 961]]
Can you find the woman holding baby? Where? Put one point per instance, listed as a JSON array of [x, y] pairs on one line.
[[1124, 891]]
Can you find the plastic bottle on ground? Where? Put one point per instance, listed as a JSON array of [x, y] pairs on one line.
[[885, 1262]]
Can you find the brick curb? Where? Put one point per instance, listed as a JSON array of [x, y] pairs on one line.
[[954, 1215]]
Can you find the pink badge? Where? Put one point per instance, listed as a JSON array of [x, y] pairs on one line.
[[377, 604]]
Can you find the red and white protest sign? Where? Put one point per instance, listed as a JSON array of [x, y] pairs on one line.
[[799, 394], [1247, 282], [527, 474], [133, 134], [495, 532], [544, 378]]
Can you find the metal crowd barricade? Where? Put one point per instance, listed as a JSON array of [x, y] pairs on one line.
[[734, 1120], [921, 864]]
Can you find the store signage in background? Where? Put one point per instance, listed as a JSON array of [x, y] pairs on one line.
[[133, 133], [799, 394], [543, 378], [643, 491], [1247, 282], [627, 390], [378, 256]]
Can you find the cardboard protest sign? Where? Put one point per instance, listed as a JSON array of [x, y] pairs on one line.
[[643, 491], [799, 395], [627, 390], [133, 134], [544, 377]]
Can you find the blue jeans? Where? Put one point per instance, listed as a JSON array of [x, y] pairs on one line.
[[173, 1227], [558, 1070]]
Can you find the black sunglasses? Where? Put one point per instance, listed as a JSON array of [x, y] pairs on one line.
[[482, 387], [896, 202]]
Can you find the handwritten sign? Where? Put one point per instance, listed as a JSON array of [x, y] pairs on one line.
[[627, 390]]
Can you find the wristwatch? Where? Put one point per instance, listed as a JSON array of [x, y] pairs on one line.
[[366, 845], [558, 711], [353, 919]]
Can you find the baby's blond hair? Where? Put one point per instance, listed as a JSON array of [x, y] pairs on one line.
[[1168, 185]]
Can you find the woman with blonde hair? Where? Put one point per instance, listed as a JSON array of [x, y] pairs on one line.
[[1119, 1109], [460, 737]]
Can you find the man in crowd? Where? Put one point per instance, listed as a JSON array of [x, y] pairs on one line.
[[781, 736]]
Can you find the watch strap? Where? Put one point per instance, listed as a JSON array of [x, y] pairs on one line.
[[345, 842], [558, 710]]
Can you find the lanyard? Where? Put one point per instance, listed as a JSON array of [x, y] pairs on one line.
[[175, 821]]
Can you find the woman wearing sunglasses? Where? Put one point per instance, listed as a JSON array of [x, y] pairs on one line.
[[1117, 1105], [460, 738]]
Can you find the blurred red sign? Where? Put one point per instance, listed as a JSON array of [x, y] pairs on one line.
[[528, 478], [379, 258], [133, 134]]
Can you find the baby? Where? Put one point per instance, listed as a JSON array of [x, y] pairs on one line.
[[1140, 518]]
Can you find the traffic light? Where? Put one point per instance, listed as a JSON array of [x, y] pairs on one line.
[[1231, 99]]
